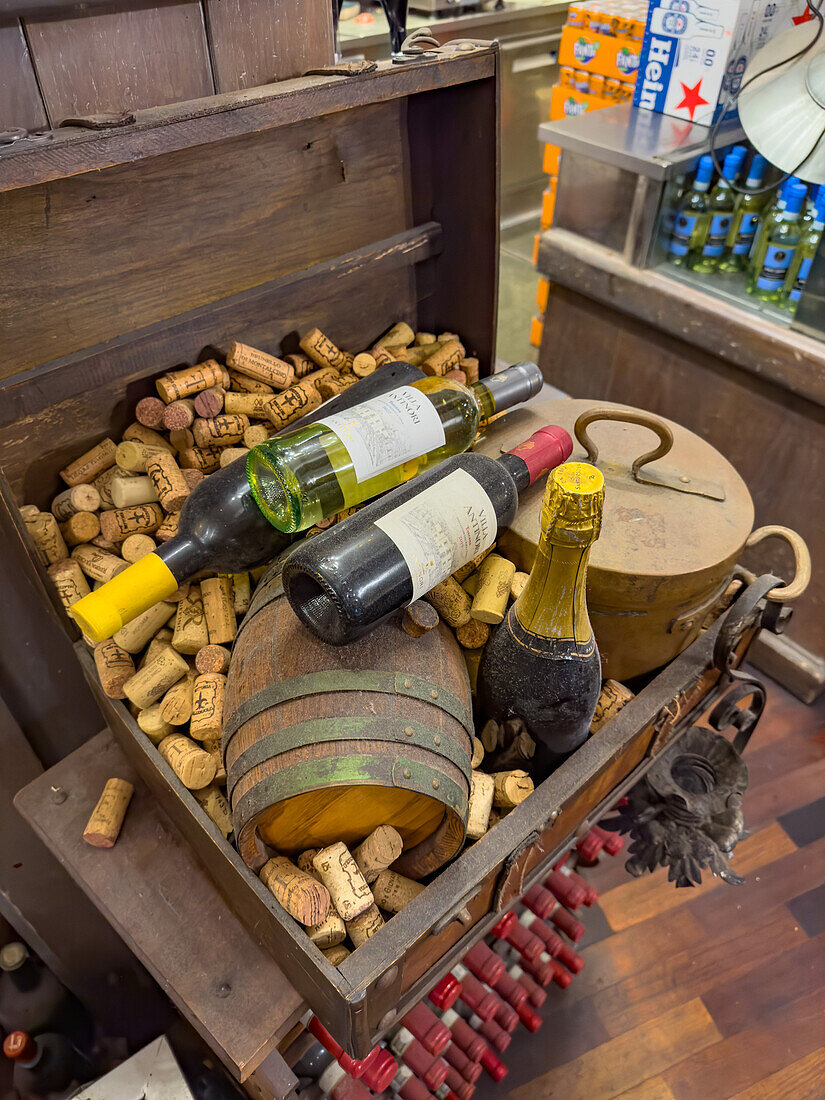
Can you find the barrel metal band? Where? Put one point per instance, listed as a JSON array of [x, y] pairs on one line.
[[358, 770], [331, 681], [347, 728]]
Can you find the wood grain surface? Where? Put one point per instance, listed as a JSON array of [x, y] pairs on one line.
[[21, 105]]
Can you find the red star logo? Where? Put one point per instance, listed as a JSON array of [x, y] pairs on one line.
[[806, 15], [693, 98]]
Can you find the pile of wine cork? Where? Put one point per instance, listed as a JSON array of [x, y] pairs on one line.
[[342, 897]]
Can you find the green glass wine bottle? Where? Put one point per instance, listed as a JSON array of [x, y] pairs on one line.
[[347, 458]]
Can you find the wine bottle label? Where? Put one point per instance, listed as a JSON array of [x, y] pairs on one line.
[[685, 225], [441, 529], [774, 266], [388, 431], [717, 235], [745, 234]]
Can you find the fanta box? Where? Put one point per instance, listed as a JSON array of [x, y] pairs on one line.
[[570, 102], [599, 53]]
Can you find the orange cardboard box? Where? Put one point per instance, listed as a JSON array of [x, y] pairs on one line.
[[567, 102], [550, 164], [548, 203], [536, 243], [542, 294], [536, 330], [600, 53]]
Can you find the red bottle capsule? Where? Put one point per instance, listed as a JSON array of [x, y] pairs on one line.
[[509, 930], [540, 901], [567, 892], [531, 1020], [336, 1083], [463, 1089], [474, 995], [484, 963], [408, 1087], [470, 1071], [589, 847], [379, 1069], [463, 1035], [350, 1065], [553, 943], [506, 1017], [445, 994], [535, 993], [613, 843], [494, 1066], [427, 1028], [446, 1093], [567, 923], [432, 1071], [561, 977], [568, 957], [514, 994], [495, 1035], [542, 970], [591, 894]]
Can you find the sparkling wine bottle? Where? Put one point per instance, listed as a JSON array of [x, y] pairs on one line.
[[355, 575], [542, 664], [344, 459]]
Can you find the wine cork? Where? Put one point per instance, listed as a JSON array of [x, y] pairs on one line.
[[241, 592], [29, 512], [91, 464], [336, 955], [260, 366], [209, 402], [380, 355], [457, 375], [212, 658], [293, 403], [612, 698], [478, 754], [464, 571], [470, 367], [179, 415], [213, 747], [482, 792], [191, 633], [176, 704], [132, 455], [139, 519], [190, 380], [491, 735], [193, 767], [207, 706], [495, 574], [168, 480], [301, 364], [363, 928], [511, 788], [329, 932], [220, 431], [135, 547], [375, 854], [400, 334], [322, 351], [473, 635], [451, 602], [448, 356], [517, 584], [392, 891], [205, 459], [138, 433], [305, 898], [193, 478], [232, 454], [424, 338], [470, 584], [169, 528], [104, 481], [139, 632], [418, 618], [242, 383], [247, 404], [49, 543], [182, 440], [103, 827], [68, 579], [255, 434], [304, 861], [340, 874], [149, 412], [331, 387], [213, 802], [126, 492], [150, 721], [98, 564], [319, 375], [363, 365], [77, 498], [79, 528], [107, 544], [114, 667], [155, 678], [219, 607]]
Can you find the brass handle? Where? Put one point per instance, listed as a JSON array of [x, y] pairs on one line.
[[802, 561], [644, 420]]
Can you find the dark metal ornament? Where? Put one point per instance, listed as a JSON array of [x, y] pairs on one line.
[[686, 814]]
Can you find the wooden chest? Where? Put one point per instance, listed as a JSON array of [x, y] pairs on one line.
[[349, 203]]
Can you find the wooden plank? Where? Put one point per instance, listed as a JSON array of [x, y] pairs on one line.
[[179, 126], [155, 893], [654, 1089], [630, 1059], [21, 105], [802, 1080], [254, 42], [174, 233], [746, 1058], [123, 60], [642, 899]]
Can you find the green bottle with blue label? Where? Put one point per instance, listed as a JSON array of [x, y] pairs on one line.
[[745, 219], [705, 257], [800, 267], [772, 216], [777, 249], [692, 217]]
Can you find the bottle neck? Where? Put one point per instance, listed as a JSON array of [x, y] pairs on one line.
[[553, 603], [509, 387]]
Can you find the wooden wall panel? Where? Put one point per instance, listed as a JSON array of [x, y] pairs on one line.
[[94, 256], [20, 102], [121, 60], [256, 42]]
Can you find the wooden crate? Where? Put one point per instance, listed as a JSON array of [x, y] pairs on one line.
[[346, 203]]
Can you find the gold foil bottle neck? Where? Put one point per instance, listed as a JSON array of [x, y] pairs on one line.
[[571, 510]]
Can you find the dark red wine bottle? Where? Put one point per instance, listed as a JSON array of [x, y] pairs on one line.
[[346, 581], [45, 1064], [33, 1000]]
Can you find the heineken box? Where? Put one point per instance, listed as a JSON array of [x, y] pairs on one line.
[[694, 54]]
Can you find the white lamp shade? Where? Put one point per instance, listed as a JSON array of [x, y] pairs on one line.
[[783, 111]]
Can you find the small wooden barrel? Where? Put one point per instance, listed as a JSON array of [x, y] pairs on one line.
[[325, 743]]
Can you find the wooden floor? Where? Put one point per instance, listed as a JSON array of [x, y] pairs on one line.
[[711, 993]]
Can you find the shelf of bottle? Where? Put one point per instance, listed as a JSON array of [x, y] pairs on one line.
[[730, 288]]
